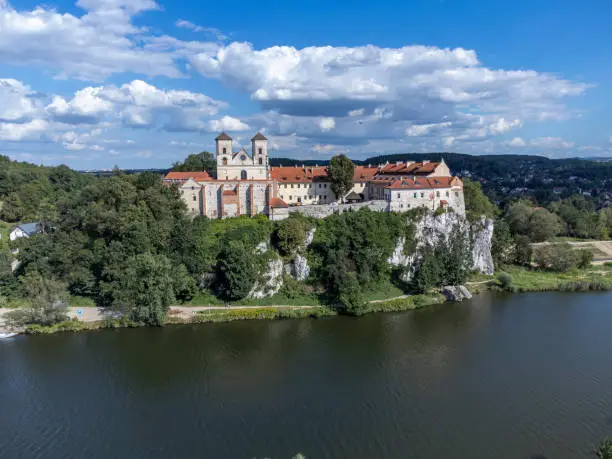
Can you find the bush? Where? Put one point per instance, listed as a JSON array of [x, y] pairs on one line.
[[505, 281], [604, 451], [585, 258], [556, 257]]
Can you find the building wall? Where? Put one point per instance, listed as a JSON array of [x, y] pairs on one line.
[[318, 192], [235, 172], [401, 200], [191, 192]]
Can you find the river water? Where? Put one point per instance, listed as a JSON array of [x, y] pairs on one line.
[[520, 376]]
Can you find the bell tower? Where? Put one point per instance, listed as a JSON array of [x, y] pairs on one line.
[[259, 145], [224, 149]]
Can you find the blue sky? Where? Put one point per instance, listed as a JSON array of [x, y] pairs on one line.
[[143, 83]]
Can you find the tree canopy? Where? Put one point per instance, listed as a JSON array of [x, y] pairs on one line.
[[340, 173]]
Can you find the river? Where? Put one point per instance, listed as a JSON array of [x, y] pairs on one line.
[[500, 376]]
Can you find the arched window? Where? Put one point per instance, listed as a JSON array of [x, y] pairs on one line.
[[260, 160], [260, 151], [224, 150], [224, 160], [243, 174]]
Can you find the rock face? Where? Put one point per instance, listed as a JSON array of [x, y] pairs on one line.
[[432, 229], [271, 280], [456, 292], [482, 237], [300, 269]]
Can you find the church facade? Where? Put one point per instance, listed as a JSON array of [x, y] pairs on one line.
[[246, 184]]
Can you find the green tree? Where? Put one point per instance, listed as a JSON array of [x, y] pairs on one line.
[[556, 257], [290, 234], [340, 173], [47, 301], [535, 222], [145, 288], [501, 246], [543, 225], [428, 274], [185, 287], [349, 295], [522, 251], [476, 202], [200, 162], [237, 271]]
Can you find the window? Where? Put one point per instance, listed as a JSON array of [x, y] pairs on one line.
[[325, 185], [398, 195], [319, 185], [243, 174], [456, 193], [415, 195], [292, 185], [195, 199], [299, 199], [447, 194], [224, 150], [298, 185], [260, 160], [290, 198], [422, 195], [224, 160], [260, 151], [438, 194], [243, 158]]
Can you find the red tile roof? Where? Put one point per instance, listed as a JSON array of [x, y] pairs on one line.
[[410, 183], [409, 168], [184, 176], [230, 192], [288, 174], [278, 202]]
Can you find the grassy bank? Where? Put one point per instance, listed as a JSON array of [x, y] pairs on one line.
[[266, 313], [407, 304], [594, 278], [74, 325]]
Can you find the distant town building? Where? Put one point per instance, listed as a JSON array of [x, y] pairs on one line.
[[247, 185], [25, 230]]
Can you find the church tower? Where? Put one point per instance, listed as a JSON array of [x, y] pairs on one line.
[[259, 145], [224, 149]]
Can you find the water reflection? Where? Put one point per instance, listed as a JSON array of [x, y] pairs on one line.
[[499, 376]]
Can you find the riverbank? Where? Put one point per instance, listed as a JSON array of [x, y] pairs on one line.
[[93, 318], [522, 280], [596, 278]]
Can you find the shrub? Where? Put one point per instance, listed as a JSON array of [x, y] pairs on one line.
[[505, 281], [556, 257], [604, 451], [585, 258]]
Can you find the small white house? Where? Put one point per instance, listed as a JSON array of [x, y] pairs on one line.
[[25, 230]]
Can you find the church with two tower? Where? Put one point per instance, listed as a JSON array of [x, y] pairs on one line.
[[243, 185]]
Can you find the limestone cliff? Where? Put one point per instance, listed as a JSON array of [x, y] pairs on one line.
[[271, 280], [433, 229]]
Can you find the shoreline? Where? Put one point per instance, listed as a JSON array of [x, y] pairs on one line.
[[524, 280]]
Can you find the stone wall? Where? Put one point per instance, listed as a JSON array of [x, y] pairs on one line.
[[325, 210]]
